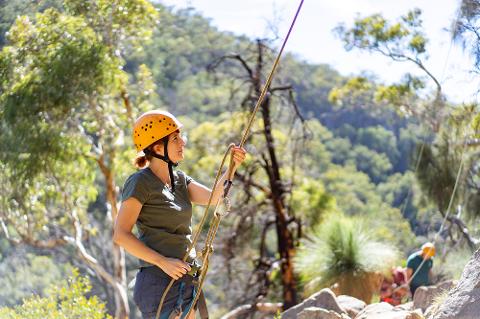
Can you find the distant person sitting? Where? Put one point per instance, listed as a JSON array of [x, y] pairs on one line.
[[419, 267], [394, 287]]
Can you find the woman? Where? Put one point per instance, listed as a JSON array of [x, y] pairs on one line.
[[159, 202]]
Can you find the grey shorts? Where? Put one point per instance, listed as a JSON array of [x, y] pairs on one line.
[[150, 284]]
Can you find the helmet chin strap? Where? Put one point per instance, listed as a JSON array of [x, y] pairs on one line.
[[167, 160]]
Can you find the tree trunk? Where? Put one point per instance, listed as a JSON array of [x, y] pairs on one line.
[[284, 235], [122, 310]]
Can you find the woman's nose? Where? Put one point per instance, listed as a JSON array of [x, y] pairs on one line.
[[183, 140]]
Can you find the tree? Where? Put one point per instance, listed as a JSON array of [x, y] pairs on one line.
[[466, 27], [64, 113], [402, 41], [277, 190], [448, 174]]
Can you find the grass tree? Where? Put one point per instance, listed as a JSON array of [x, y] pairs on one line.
[[341, 253]]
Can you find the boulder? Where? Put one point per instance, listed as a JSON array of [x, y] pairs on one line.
[[319, 313], [324, 299], [351, 305], [424, 296], [463, 300], [405, 306], [384, 310]]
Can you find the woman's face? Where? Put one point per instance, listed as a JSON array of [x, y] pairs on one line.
[[176, 146]]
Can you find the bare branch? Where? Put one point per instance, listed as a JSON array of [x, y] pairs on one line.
[[280, 88], [237, 57], [472, 242]]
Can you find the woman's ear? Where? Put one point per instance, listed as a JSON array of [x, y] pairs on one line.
[[158, 148]]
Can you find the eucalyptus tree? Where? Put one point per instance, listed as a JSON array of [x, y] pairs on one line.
[[64, 112], [405, 42]]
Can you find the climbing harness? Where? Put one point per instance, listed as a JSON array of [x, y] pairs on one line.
[[206, 252]]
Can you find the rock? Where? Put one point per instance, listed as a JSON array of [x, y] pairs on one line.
[[430, 311], [405, 306], [384, 310], [351, 305], [319, 313], [324, 299], [424, 296], [463, 301]]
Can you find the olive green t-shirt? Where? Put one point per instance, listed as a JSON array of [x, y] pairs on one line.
[[164, 222]]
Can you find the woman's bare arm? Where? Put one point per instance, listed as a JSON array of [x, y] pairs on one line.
[[123, 236]]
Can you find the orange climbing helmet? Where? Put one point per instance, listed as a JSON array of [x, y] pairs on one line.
[[152, 126], [428, 249]]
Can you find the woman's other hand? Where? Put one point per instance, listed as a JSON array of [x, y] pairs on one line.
[[173, 267]]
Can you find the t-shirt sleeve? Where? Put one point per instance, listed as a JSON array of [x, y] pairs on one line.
[[135, 187], [411, 262], [188, 179]]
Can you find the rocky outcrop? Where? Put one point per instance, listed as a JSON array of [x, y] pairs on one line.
[[351, 305], [319, 313], [405, 306], [324, 299], [424, 296], [384, 310], [463, 301], [324, 305]]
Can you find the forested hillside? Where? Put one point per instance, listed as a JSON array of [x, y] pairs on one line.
[[375, 160]]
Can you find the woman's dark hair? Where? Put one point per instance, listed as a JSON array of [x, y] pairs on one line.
[[142, 160]]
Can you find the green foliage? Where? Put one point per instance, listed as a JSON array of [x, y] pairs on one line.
[[23, 275], [397, 94], [10, 10], [395, 191], [454, 262], [66, 300], [310, 200], [122, 25], [375, 33], [375, 165], [356, 88], [447, 157], [464, 29], [53, 63], [356, 196]]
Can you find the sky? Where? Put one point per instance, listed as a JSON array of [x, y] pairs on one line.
[[312, 38]]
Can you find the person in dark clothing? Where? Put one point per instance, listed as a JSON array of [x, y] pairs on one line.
[[419, 267]]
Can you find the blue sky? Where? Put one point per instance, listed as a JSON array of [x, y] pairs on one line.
[[314, 41]]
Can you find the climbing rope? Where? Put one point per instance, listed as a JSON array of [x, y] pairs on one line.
[[217, 217]]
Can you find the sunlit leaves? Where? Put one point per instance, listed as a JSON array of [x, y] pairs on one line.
[[123, 25], [375, 33], [67, 299]]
